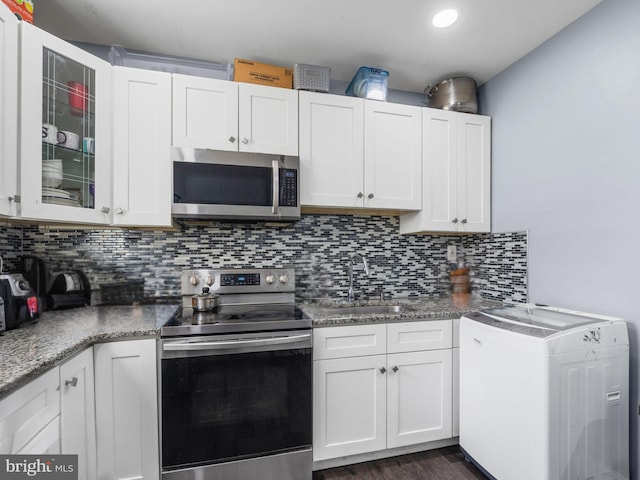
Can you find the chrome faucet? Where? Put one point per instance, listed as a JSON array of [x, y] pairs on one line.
[[352, 260]]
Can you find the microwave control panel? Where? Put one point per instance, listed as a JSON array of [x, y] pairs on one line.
[[288, 187]]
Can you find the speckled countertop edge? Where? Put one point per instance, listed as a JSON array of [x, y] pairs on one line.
[[31, 350], [327, 313]]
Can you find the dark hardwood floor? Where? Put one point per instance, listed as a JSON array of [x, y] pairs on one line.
[[441, 464]]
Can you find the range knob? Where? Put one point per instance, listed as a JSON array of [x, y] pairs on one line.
[[208, 280], [270, 279], [194, 280], [284, 278]]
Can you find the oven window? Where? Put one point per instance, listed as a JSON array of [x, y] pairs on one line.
[[228, 407], [205, 183]]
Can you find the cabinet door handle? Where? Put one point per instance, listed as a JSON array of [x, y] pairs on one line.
[[232, 139], [119, 211], [105, 210], [455, 220], [383, 370], [464, 220], [370, 195], [245, 140], [73, 382], [395, 368], [360, 194]]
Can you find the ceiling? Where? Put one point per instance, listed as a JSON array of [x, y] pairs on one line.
[[342, 34]]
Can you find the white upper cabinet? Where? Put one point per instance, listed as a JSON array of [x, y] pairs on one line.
[[331, 150], [8, 111], [142, 147], [267, 119], [474, 173], [392, 152], [456, 174], [205, 113], [223, 115], [65, 131], [357, 153]]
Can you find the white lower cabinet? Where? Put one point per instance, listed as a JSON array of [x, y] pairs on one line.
[[127, 410], [349, 406], [456, 377], [378, 387], [30, 417], [55, 413], [78, 413], [419, 404]]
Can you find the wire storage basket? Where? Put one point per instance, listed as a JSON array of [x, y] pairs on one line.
[[311, 77]]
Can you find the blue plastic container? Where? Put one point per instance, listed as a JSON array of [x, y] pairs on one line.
[[370, 83]]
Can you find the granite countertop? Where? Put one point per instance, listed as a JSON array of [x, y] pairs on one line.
[[325, 313], [32, 349]]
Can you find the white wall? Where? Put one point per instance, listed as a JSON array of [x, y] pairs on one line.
[[566, 166]]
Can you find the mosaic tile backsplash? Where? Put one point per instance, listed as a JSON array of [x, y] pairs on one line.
[[318, 247]]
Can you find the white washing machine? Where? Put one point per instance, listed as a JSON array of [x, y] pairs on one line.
[[544, 394]]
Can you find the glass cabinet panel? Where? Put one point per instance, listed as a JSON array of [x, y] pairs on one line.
[[65, 131], [68, 131]]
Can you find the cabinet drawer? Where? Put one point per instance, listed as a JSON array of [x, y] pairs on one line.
[[24, 413], [414, 336], [349, 341]]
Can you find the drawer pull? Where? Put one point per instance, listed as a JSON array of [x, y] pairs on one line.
[[383, 370], [395, 368], [612, 396]]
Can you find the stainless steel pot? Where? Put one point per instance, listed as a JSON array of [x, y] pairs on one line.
[[205, 301], [456, 94]]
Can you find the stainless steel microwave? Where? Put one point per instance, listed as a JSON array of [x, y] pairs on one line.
[[212, 184]]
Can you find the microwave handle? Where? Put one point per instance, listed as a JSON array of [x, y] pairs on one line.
[[276, 187]]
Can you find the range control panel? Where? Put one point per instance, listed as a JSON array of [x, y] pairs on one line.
[[232, 281]]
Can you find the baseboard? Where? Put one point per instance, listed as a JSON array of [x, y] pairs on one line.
[[392, 452]]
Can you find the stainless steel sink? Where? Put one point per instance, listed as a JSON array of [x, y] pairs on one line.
[[371, 310]]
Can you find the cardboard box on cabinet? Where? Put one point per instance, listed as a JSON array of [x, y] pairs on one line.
[[22, 8], [249, 71]]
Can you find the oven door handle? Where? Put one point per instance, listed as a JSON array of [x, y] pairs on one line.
[[230, 344]]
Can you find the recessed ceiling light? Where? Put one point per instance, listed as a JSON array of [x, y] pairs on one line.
[[445, 18]]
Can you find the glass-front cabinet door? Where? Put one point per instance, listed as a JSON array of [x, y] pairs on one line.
[[8, 111], [65, 131]]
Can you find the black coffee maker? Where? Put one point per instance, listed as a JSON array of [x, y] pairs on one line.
[[56, 290]]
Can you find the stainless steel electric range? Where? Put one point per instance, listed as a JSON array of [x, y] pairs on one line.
[[235, 395]]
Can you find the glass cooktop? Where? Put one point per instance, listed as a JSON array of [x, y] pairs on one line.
[[236, 319]]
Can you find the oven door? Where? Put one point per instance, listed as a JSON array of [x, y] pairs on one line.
[[232, 397], [215, 184]]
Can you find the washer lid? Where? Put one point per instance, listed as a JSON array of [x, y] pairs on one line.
[[536, 320]]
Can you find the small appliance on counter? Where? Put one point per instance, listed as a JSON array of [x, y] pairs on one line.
[[56, 290], [18, 301]]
